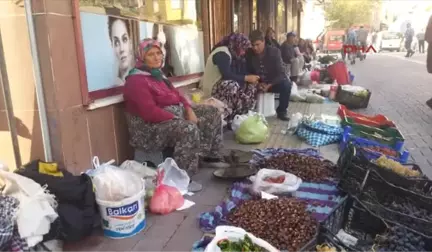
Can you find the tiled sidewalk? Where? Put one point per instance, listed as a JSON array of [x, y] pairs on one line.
[[179, 230]]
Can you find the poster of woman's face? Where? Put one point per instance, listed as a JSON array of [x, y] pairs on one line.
[[121, 42], [108, 49]]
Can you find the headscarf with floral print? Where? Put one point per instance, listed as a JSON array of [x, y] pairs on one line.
[[144, 46], [236, 43]]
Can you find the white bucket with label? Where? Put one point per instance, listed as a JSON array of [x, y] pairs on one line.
[[123, 218]]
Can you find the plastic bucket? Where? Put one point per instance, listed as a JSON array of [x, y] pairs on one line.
[[123, 218]]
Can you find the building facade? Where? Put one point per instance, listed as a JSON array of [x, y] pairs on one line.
[[63, 64]]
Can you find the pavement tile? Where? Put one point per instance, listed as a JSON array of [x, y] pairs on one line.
[[401, 96], [189, 231], [91, 243]]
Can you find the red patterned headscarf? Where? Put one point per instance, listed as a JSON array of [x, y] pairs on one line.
[[236, 42], [144, 46]]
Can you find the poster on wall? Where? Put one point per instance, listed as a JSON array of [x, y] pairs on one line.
[[109, 48], [177, 12], [182, 47]]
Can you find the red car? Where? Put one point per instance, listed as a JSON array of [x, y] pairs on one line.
[[333, 41]]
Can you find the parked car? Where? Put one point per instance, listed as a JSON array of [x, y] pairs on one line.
[[333, 41], [390, 41]]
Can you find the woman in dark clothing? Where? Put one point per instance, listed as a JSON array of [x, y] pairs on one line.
[[303, 47], [225, 76], [270, 38]]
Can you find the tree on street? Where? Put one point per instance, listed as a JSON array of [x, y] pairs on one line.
[[345, 13]]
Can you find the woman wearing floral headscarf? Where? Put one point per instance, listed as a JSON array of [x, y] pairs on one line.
[[158, 116], [225, 76]]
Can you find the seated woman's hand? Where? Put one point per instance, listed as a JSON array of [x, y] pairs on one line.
[[264, 87], [190, 115], [253, 79]]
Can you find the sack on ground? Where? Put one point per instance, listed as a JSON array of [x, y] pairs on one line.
[[317, 133], [253, 130], [166, 199], [113, 183], [266, 181], [314, 98], [171, 175], [295, 95], [235, 234]]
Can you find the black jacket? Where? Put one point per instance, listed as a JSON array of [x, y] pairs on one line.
[[288, 53], [77, 209], [272, 61], [272, 42]]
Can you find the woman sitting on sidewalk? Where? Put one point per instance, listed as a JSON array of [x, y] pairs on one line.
[[158, 116], [225, 76]]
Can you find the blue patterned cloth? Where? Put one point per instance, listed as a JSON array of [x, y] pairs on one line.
[[317, 133], [10, 239]]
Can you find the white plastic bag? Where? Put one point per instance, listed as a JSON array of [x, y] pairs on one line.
[[295, 95], [143, 171], [3, 166], [333, 120], [305, 79], [290, 184], [235, 234], [238, 119], [174, 176], [113, 183], [294, 121]]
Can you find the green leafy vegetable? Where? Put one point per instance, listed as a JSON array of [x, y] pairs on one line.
[[243, 245]]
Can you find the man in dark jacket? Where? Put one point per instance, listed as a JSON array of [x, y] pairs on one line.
[[289, 56], [266, 62]]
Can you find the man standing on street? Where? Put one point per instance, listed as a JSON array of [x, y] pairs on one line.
[[421, 40], [266, 62], [409, 35], [362, 36], [289, 56], [350, 38]]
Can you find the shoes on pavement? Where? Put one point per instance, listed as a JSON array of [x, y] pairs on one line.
[[194, 186], [283, 117], [429, 103], [213, 163]]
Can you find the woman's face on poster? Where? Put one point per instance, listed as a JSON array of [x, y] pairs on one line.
[[122, 44]]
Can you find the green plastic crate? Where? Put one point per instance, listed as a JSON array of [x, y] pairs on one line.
[[389, 136]]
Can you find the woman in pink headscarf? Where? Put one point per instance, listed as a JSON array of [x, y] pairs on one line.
[[159, 116]]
